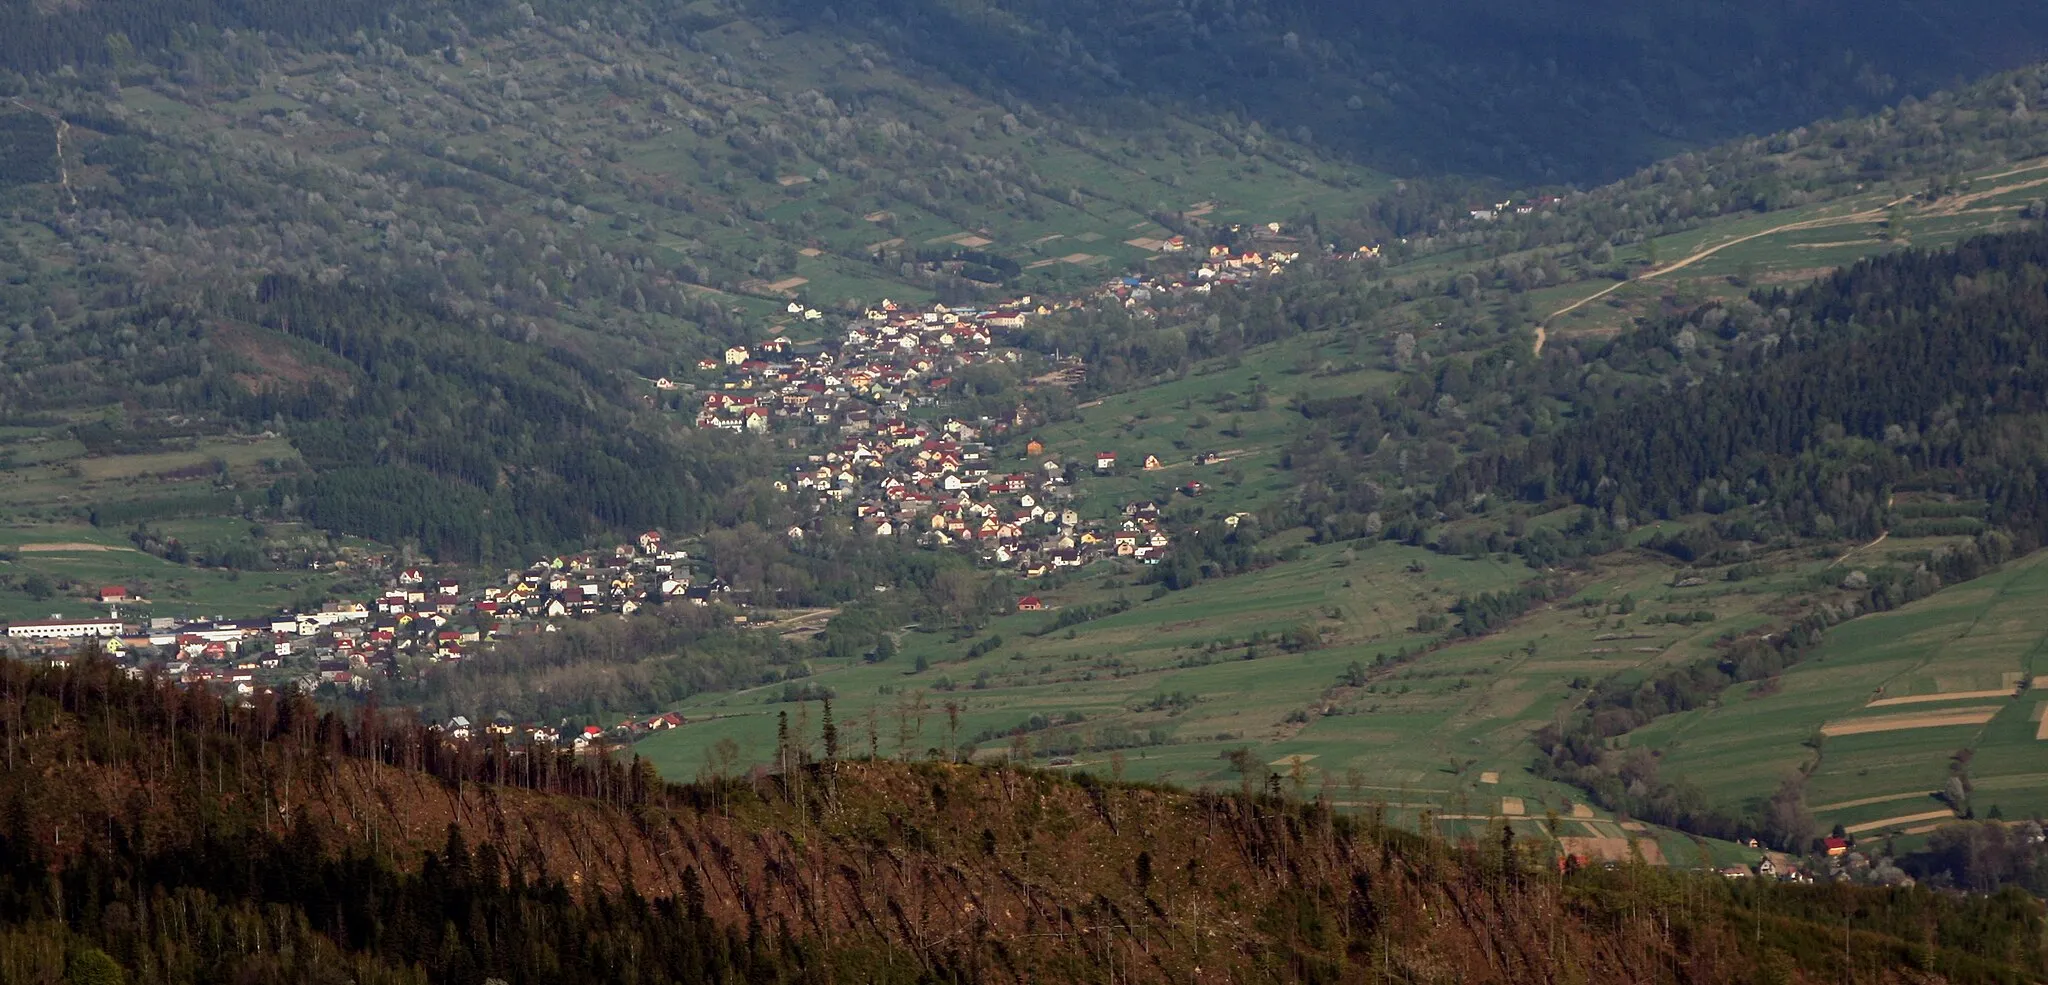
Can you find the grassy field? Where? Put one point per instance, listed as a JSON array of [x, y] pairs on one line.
[[1182, 680], [188, 488], [1729, 257], [1957, 655], [1237, 412]]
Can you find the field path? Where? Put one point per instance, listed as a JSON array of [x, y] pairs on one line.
[[1842, 805], [1921, 699], [1902, 819], [1698, 255], [1881, 535]]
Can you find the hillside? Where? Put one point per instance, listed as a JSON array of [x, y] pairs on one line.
[[1529, 92], [280, 281], [1424, 574], [161, 834], [585, 201]]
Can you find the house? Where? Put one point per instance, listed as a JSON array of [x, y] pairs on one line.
[[1153, 464], [113, 593], [1030, 603], [1837, 847], [1034, 448], [1105, 461], [736, 355]]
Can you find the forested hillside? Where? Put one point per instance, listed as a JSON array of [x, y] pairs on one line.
[[1532, 92], [563, 198], [1540, 92], [1919, 370], [156, 835]]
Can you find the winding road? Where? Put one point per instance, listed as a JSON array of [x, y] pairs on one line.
[[1849, 218]]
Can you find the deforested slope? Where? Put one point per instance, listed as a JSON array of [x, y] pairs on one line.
[[183, 839]]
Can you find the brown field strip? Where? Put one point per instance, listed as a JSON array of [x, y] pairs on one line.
[[1898, 723], [1921, 699], [1897, 821], [2041, 724], [1611, 849], [68, 547]]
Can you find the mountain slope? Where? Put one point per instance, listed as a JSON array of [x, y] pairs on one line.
[[272, 821], [1536, 92]]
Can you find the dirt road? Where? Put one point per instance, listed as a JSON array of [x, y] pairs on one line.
[[1696, 256]]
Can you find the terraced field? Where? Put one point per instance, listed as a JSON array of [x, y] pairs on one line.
[[1879, 713]]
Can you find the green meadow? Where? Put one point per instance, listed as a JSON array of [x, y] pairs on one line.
[[1959, 654], [1375, 713]]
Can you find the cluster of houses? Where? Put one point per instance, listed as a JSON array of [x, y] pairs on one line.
[[415, 623], [940, 486], [1837, 854], [583, 739], [1769, 868], [1510, 207], [892, 359], [905, 474]]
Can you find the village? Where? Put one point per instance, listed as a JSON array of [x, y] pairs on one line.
[[903, 471], [416, 624], [890, 470], [896, 358]]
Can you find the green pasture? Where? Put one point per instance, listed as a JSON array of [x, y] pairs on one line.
[[1447, 731], [1979, 636]]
